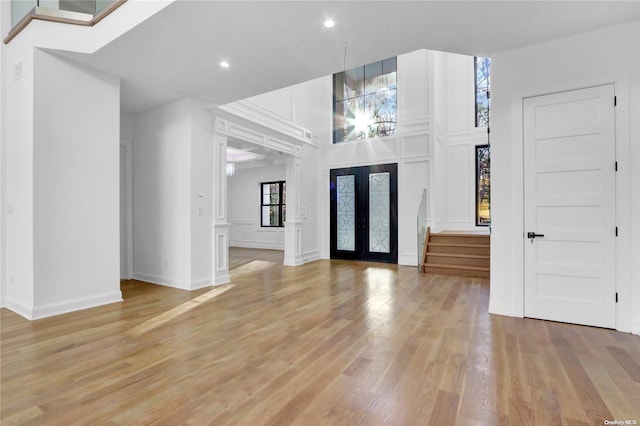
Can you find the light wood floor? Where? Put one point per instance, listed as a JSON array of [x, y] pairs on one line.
[[330, 342]]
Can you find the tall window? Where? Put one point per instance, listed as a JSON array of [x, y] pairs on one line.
[[482, 69], [273, 203], [483, 185], [365, 101]]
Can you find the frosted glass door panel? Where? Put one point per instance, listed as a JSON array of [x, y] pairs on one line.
[[379, 224], [346, 186]]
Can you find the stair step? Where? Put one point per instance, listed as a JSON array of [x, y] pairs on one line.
[[472, 249], [459, 239], [458, 259], [467, 271]]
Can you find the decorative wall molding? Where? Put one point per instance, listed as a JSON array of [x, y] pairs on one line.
[[257, 114], [418, 145], [282, 146], [243, 222], [227, 127], [257, 244], [293, 243], [416, 159], [415, 126], [221, 253]]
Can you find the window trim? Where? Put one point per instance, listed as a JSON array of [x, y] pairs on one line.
[[477, 187], [280, 204]]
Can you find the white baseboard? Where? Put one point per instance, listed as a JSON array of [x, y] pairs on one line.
[[19, 309], [500, 309], [311, 256], [257, 245], [293, 261], [198, 284], [153, 279], [72, 305], [222, 279], [2, 303], [635, 327], [408, 259]]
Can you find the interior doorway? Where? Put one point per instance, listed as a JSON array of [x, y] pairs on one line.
[[364, 213], [126, 211]]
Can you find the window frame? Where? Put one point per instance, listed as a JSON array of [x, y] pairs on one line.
[[477, 188], [336, 100], [281, 203], [475, 91]]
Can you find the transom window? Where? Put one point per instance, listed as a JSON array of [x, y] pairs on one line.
[[365, 101], [273, 203], [483, 94]]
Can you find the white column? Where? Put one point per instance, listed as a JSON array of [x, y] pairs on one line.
[[220, 226], [293, 221]]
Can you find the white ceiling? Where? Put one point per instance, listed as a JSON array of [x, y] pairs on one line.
[[274, 44]]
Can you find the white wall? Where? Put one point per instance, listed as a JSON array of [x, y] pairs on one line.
[[462, 137], [2, 176], [609, 55], [244, 208], [18, 128], [172, 178], [162, 195], [201, 195], [76, 191]]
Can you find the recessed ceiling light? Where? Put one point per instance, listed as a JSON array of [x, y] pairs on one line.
[[329, 23], [224, 64]]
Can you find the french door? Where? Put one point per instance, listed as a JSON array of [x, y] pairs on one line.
[[364, 213]]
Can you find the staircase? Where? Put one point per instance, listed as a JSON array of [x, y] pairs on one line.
[[457, 253]]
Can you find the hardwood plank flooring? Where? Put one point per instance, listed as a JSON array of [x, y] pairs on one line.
[[326, 343]]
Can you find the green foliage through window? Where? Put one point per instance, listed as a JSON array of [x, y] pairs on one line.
[[365, 101], [483, 94], [483, 185]]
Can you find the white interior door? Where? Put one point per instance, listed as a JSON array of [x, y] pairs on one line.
[[569, 187]]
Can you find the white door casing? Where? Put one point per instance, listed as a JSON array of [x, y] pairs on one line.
[[569, 187]]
